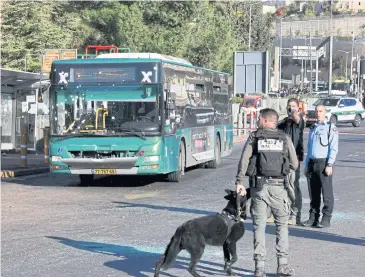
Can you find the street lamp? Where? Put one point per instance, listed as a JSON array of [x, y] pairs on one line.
[[347, 52]]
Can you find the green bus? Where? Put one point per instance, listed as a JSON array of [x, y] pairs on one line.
[[137, 114]]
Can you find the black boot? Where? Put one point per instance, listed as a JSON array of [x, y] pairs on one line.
[[312, 221], [259, 272], [285, 270], [259, 268], [325, 222]]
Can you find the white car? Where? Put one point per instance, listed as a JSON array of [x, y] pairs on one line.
[[339, 110]]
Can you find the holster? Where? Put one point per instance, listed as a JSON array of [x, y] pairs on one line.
[[257, 182]]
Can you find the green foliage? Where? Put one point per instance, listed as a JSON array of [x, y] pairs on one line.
[[204, 32], [309, 9], [237, 100]]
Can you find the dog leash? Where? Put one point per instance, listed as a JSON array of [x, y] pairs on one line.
[[238, 205]]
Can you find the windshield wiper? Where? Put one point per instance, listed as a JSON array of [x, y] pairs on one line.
[[140, 133]]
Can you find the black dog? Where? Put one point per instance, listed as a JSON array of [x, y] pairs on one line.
[[223, 229]]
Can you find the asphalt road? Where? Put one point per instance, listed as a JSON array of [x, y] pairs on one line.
[[120, 227]]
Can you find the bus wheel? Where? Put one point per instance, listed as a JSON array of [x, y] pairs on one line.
[[176, 175], [85, 180], [217, 155]]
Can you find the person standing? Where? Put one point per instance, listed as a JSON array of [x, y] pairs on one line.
[[293, 126], [267, 158], [322, 153]]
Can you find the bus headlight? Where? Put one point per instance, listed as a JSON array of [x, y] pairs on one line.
[[151, 158]]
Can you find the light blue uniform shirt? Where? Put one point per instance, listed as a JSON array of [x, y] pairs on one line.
[[319, 146]]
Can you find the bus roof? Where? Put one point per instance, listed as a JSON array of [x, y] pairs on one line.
[[143, 56], [133, 58]]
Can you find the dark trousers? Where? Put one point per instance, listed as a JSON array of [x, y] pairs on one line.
[[319, 183]]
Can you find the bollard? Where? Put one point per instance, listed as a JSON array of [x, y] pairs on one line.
[[23, 146], [46, 144]]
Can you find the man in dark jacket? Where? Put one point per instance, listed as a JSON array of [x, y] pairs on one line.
[[293, 126]]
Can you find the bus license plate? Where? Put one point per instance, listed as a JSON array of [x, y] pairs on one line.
[[104, 171]]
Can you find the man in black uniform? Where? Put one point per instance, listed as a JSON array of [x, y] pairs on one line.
[[293, 126]]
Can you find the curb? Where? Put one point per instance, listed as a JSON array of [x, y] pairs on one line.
[[23, 172]]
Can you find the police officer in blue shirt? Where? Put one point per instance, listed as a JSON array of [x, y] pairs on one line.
[[322, 152]]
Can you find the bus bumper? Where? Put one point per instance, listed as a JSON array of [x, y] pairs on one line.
[[152, 169]]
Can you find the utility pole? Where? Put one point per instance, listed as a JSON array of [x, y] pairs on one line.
[[317, 70], [310, 60], [358, 94], [305, 61], [352, 60], [331, 50], [302, 73], [281, 46]]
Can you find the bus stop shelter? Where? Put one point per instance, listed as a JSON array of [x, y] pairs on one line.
[[20, 105]]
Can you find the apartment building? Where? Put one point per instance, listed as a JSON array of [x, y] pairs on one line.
[[354, 6]]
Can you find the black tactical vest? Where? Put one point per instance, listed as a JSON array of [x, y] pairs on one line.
[[270, 156]]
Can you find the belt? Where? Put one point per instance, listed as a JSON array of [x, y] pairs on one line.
[[275, 181], [322, 160], [271, 183]]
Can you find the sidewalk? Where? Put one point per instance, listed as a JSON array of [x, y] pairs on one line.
[[10, 165]]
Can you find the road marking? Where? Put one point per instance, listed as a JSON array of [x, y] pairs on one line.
[[143, 195], [346, 133]]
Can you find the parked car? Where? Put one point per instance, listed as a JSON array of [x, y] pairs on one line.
[[339, 110]]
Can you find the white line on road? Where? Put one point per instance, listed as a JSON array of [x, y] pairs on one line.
[[352, 134]]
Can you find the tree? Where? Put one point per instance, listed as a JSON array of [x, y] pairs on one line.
[[31, 27], [205, 32]]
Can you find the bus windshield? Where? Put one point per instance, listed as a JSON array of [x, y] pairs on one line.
[[104, 110]]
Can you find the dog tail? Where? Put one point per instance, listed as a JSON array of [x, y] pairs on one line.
[[173, 248]]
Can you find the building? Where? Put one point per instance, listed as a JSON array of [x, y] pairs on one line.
[[353, 6], [273, 5]]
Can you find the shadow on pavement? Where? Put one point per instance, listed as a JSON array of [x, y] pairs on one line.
[[136, 262], [351, 161], [57, 180], [164, 208], [270, 229]]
